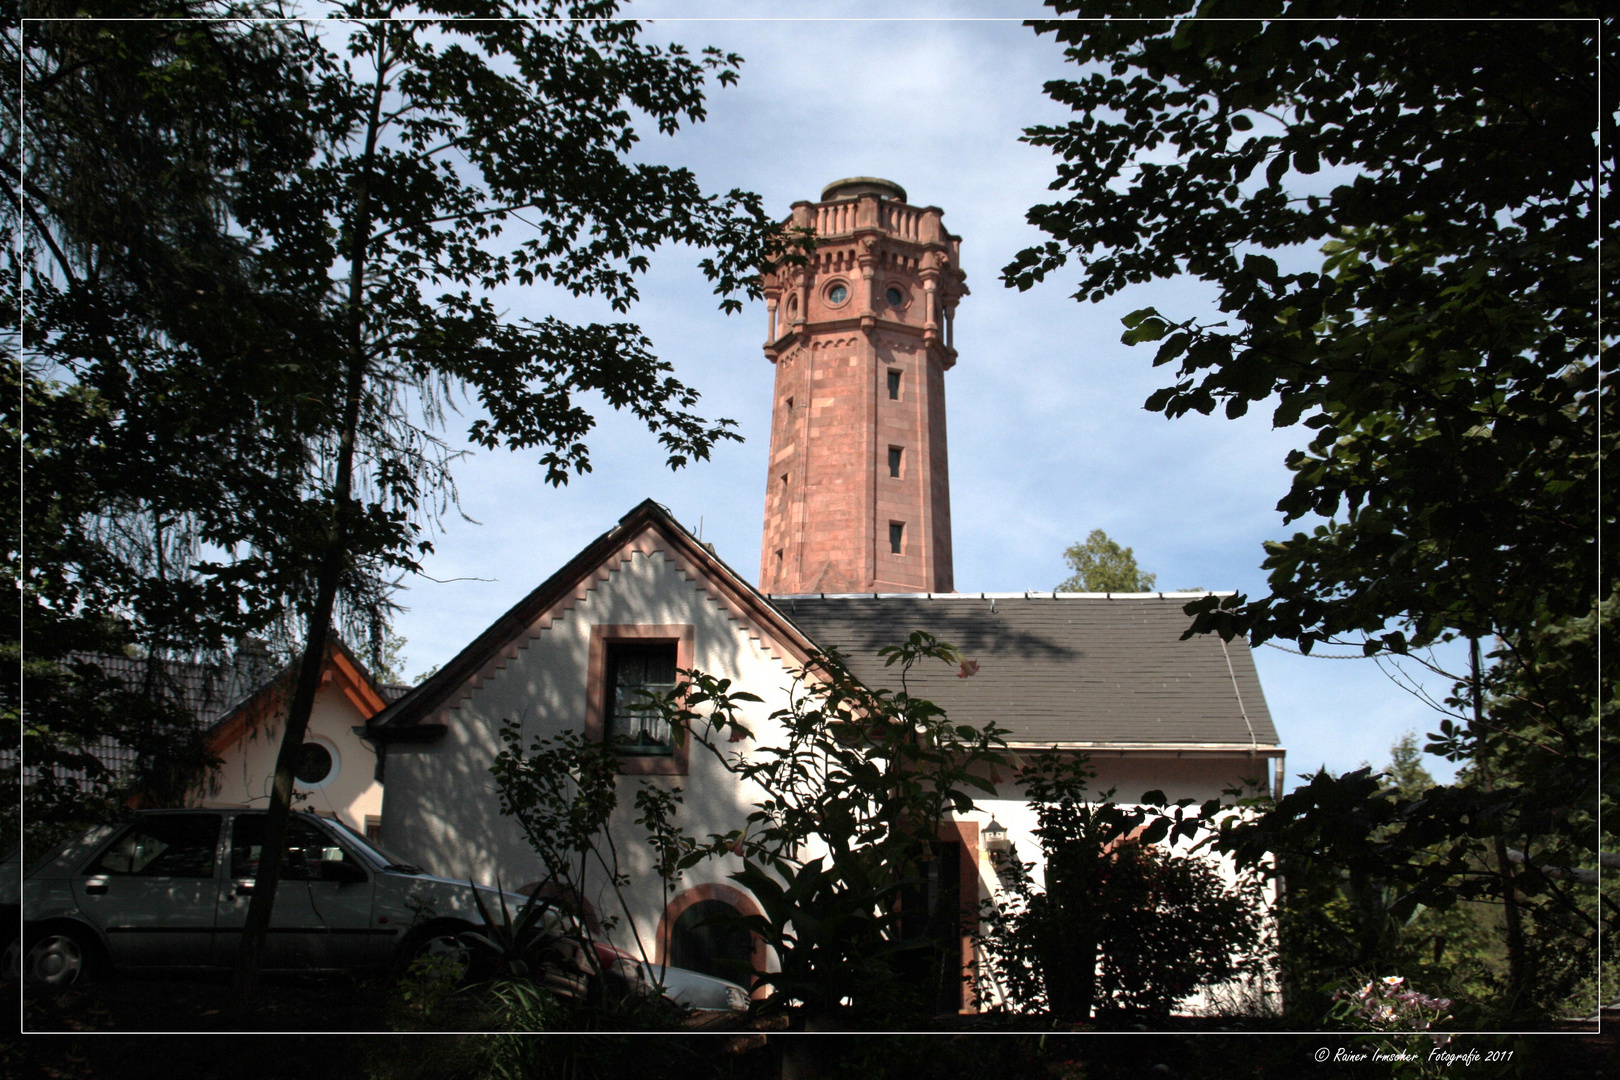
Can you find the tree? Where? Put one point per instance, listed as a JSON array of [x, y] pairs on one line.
[[1336, 927], [420, 144], [855, 795], [562, 792], [1444, 355], [138, 392], [1101, 566]]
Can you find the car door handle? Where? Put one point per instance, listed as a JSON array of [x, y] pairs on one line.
[[96, 887], [244, 888]]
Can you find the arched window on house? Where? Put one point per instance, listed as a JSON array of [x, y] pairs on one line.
[[702, 941]]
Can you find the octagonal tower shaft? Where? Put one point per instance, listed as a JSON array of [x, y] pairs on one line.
[[858, 491]]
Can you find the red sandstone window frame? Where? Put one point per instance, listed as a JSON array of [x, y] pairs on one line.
[[742, 901], [684, 637]]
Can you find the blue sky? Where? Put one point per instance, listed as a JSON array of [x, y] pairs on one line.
[[1048, 438]]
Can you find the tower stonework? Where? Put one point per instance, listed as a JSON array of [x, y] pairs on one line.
[[858, 493]]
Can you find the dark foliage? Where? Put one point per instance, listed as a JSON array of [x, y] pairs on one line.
[[1444, 356], [1121, 928]]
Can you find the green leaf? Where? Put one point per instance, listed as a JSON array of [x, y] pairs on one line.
[[1149, 329]]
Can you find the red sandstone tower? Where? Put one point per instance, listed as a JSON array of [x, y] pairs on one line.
[[858, 495]]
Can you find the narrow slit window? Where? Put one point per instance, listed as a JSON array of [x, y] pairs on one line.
[[894, 385], [897, 537], [789, 404], [894, 460]]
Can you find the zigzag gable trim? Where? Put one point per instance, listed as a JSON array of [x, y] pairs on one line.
[[647, 542]]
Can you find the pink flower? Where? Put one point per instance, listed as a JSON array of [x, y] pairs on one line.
[[970, 668]]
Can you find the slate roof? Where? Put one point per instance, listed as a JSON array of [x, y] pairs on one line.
[[1065, 668], [210, 692]]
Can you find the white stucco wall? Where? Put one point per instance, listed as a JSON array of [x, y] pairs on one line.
[[441, 806], [1197, 777], [351, 794]]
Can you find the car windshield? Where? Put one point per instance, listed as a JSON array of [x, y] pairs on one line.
[[373, 850]]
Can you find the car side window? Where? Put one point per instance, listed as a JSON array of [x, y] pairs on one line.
[[310, 851], [164, 845]]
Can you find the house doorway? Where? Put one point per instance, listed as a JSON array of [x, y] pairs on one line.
[[931, 909]]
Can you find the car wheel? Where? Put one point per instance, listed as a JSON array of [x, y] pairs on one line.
[[443, 941], [58, 957]]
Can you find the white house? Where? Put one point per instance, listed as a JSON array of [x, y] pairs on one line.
[[1106, 676], [645, 595]]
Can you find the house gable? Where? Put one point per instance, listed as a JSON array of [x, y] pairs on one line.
[[542, 667], [342, 671], [646, 532], [247, 742]]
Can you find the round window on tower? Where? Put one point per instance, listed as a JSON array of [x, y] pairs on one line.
[[895, 297], [317, 763], [837, 293]]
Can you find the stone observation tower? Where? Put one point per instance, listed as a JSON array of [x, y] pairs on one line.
[[858, 495]]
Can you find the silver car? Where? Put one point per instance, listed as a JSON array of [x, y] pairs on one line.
[[695, 990], [171, 888]]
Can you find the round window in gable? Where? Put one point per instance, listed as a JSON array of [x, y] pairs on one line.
[[317, 763], [838, 294], [895, 297]]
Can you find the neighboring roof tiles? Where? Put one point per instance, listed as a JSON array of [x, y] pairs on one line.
[[208, 691], [224, 699], [1057, 668]]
